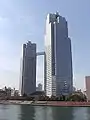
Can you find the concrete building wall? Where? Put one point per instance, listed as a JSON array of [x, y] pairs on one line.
[[59, 76], [87, 80], [48, 60], [29, 68]]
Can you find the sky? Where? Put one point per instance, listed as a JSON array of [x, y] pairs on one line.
[[22, 20]]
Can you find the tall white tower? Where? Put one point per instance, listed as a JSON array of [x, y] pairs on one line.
[[58, 57]]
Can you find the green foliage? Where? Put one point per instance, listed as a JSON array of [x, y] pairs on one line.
[[77, 97]]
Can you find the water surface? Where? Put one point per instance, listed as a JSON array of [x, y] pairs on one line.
[[27, 112]]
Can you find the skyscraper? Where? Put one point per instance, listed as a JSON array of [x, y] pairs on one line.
[[58, 57], [87, 81], [28, 76]]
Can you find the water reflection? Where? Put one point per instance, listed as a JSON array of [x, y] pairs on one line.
[[43, 113], [53, 113], [62, 113], [9, 112], [50, 113], [80, 113], [3, 112], [27, 112], [88, 113]]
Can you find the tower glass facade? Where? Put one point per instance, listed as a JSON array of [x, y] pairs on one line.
[[28, 77], [58, 57]]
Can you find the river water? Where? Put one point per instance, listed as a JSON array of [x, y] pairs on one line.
[[27, 112]]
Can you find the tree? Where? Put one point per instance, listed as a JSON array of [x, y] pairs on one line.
[[77, 97], [5, 88], [53, 98]]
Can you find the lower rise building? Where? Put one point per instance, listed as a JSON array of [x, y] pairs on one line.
[[28, 71]]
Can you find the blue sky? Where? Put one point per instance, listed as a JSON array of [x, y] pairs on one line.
[[22, 20]]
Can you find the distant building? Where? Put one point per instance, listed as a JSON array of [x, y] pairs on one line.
[[14, 92], [28, 69], [58, 57], [36, 88], [79, 90], [87, 81], [84, 92], [74, 89], [39, 88], [8, 91], [5, 92], [2, 93]]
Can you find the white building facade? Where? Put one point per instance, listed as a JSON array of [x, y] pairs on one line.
[[58, 57]]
